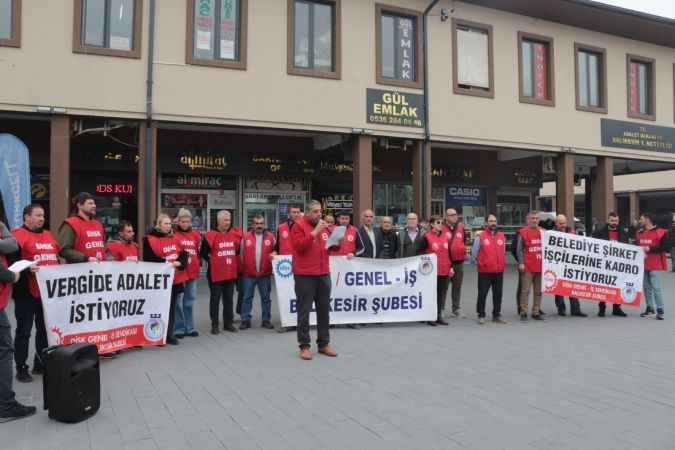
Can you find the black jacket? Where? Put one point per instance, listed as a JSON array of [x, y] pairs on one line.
[[408, 248], [603, 233], [389, 247], [150, 256], [364, 246]]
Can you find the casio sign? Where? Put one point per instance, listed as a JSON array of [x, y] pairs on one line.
[[465, 191]]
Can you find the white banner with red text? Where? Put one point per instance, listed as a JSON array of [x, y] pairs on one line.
[[115, 305], [592, 269], [365, 290]]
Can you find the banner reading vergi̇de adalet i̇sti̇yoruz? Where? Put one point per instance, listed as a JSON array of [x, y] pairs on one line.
[[365, 290], [592, 269], [115, 305]]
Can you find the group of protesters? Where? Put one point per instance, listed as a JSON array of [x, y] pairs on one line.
[[241, 260]]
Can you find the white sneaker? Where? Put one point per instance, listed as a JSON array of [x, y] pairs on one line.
[[481, 321], [458, 314]]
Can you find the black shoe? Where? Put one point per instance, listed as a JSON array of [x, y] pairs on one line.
[[194, 333], [579, 314], [172, 341], [231, 328], [542, 313], [38, 369], [601, 313], [267, 324], [561, 312], [523, 317], [617, 311], [537, 317], [179, 335], [440, 321], [23, 376], [433, 324], [16, 411], [649, 311], [215, 329], [245, 324]]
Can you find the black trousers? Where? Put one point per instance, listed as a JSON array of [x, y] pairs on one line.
[[175, 290], [313, 290], [26, 311], [602, 306], [442, 282], [485, 282], [240, 294], [575, 307], [224, 290]]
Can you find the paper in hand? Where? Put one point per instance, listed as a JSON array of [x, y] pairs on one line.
[[21, 265], [336, 236]]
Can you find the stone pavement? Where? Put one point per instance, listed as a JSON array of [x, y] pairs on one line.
[[567, 383]]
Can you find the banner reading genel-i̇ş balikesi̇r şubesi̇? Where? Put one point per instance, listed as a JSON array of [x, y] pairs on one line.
[[114, 305], [365, 290], [592, 269]]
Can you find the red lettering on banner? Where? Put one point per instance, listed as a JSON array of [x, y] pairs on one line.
[[112, 340]]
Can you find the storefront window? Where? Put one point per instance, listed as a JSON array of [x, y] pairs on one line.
[[393, 200], [470, 202]]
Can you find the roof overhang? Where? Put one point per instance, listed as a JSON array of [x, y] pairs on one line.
[[593, 16]]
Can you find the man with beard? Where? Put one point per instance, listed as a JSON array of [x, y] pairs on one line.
[[611, 232], [35, 244], [123, 247], [347, 245], [489, 252], [81, 236], [312, 279], [575, 307]]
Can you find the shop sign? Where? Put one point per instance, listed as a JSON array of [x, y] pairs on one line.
[[462, 173], [206, 161], [637, 136], [394, 108], [338, 202], [279, 184], [524, 176], [266, 197], [183, 181], [222, 200], [114, 188], [465, 195]]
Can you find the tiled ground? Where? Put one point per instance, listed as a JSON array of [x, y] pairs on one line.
[[568, 383]]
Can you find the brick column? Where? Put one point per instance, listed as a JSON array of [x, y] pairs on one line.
[[59, 171], [147, 179], [362, 177], [564, 185]]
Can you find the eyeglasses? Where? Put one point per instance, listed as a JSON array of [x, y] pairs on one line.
[[451, 215]]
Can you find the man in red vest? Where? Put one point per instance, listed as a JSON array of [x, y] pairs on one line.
[[454, 232], [123, 247], [312, 279], [284, 246], [35, 244], [529, 266], [488, 251], [220, 247], [347, 245], [81, 236], [190, 240], [10, 409], [575, 307], [256, 256], [654, 241], [611, 232]]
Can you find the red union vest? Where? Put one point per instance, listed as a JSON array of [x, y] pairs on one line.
[[652, 238], [248, 255], [89, 237], [223, 260], [456, 240], [168, 248], [285, 246], [40, 247], [123, 251], [347, 245], [5, 288], [490, 257], [438, 244], [531, 248], [189, 240]]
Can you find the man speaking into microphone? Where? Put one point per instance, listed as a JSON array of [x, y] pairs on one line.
[[312, 278]]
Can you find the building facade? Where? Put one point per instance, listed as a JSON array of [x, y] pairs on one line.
[[256, 105]]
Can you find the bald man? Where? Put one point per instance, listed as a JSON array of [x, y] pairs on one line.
[[454, 231], [575, 307], [411, 238]]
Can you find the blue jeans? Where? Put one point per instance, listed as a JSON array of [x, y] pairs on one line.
[[264, 284], [6, 362], [185, 322], [652, 288]]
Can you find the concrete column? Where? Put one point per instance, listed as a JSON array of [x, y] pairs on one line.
[[59, 171], [147, 179], [564, 185], [602, 190], [421, 179], [634, 206], [362, 177]]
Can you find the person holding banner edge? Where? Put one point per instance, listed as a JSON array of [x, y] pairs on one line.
[[489, 253], [35, 244], [312, 279], [190, 240], [611, 232], [529, 266], [161, 245], [654, 241], [575, 307], [438, 243], [454, 231]]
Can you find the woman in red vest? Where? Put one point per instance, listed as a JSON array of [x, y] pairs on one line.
[[488, 251], [220, 247], [437, 243], [161, 245], [190, 239]]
